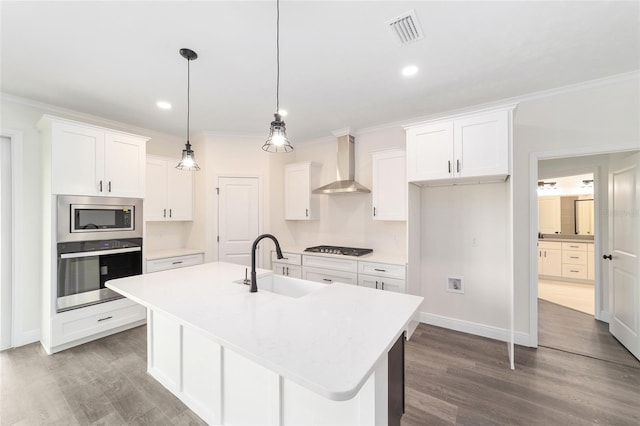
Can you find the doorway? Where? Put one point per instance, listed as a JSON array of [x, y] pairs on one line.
[[239, 218], [566, 233], [592, 338], [6, 238]]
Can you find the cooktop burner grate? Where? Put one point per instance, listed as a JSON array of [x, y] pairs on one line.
[[347, 251]]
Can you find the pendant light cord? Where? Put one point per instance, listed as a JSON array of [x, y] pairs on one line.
[[188, 98], [278, 57]]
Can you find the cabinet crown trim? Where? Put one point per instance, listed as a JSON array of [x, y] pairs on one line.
[[452, 115], [47, 119]]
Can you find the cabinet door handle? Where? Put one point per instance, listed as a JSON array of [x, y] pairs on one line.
[[574, 257], [170, 213], [380, 270], [449, 164], [326, 279], [458, 166], [573, 270], [376, 285], [176, 262], [100, 186], [283, 270], [382, 284], [164, 212], [374, 212], [306, 212], [109, 186], [574, 246], [287, 271], [105, 318], [545, 253], [540, 253]]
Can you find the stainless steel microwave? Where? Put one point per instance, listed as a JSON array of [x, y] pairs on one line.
[[98, 218]]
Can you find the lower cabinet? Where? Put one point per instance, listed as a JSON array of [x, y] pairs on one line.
[[93, 322], [550, 258], [383, 276], [566, 260], [328, 270], [290, 265], [382, 283], [165, 263]]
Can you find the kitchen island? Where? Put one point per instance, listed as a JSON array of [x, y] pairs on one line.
[[310, 354]]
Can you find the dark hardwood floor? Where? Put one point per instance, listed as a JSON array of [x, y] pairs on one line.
[[452, 378]]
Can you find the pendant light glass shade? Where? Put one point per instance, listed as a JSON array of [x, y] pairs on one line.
[[188, 161], [277, 140]]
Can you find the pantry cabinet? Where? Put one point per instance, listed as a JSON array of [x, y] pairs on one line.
[[389, 186], [93, 161], [299, 180], [169, 191], [466, 149]]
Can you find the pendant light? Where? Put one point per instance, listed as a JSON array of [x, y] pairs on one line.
[[188, 161], [277, 140]]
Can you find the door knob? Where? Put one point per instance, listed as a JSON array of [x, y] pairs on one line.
[[607, 256]]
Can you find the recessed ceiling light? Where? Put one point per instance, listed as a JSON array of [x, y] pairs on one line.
[[163, 105], [282, 112], [409, 70]]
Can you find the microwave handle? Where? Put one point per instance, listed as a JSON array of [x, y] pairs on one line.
[[99, 252]]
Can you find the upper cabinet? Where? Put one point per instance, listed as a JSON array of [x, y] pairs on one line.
[[299, 180], [549, 215], [169, 191], [466, 149], [389, 188], [93, 161]]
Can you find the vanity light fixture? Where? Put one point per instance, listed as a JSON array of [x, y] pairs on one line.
[[277, 140], [188, 161]]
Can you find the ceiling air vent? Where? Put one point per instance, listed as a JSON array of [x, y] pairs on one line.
[[406, 27]]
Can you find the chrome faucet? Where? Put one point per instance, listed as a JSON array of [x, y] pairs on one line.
[[254, 284]]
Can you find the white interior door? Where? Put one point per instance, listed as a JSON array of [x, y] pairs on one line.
[[5, 244], [238, 218], [624, 246]]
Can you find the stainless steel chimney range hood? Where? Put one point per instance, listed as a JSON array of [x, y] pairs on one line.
[[345, 183]]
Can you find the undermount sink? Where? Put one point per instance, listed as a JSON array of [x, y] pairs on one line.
[[285, 286]]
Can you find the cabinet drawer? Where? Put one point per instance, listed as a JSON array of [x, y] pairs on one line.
[[382, 269], [289, 258], [346, 265], [549, 245], [574, 246], [174, 262], [574, 257], [388, 284], [328, 276], [574, 271], [293, 271], [79, 323]]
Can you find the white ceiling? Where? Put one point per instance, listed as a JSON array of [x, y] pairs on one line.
[[340, 65]]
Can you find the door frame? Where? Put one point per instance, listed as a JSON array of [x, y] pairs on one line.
[[17, 203], [216, 180], [534, 157]]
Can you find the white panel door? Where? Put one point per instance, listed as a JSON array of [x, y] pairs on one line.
[[77, 160], [155, 200], [124, 158], [624, 266], [238, 218]]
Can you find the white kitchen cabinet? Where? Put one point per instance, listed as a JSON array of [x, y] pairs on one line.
[[467, 149], [173, 262], [550, 258], [549, 214], [290, 265], [383, 276], [389, 188], [328, 269], [574, 260], [299, 180], [169, 191], [94, 161], [381, 283]]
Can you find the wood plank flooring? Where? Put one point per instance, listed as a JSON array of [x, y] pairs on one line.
[[452, 378]]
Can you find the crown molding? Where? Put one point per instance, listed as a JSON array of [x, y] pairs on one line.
[[618, 78]]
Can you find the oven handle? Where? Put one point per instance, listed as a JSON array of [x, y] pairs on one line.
[[99, 252]]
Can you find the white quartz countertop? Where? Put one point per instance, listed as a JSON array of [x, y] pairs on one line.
[[163, 254], [328, 341], [380, 257]]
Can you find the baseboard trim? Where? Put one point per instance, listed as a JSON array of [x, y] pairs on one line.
[[26, 338], [474, 328]]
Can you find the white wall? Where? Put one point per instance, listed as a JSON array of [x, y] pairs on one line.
[[594, 119], [22, 115], [345, 219]]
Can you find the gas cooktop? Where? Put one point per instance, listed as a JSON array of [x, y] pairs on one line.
[[347, 251]]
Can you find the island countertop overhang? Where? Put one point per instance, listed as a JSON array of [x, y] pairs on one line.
[[328, 341]]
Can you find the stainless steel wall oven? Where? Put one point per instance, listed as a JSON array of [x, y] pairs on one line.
[[98, 239]]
